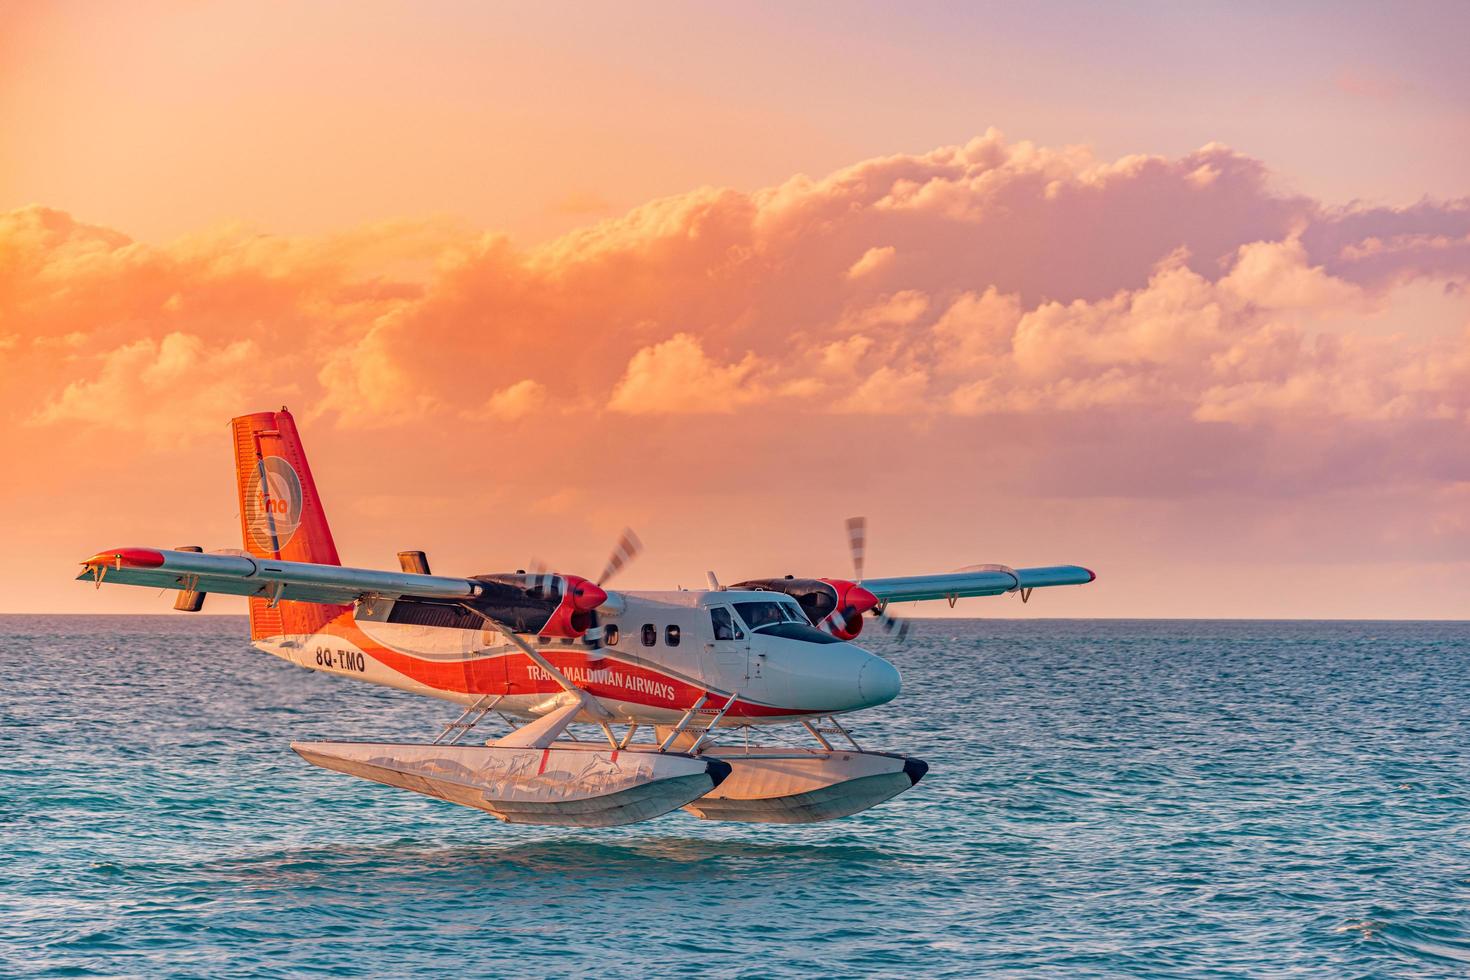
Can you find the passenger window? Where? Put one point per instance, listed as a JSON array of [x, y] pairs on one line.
[[610, 635], [724, 624], [671, 636], [650, 634]]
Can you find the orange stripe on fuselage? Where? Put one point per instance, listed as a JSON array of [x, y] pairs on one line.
[[513, 673]]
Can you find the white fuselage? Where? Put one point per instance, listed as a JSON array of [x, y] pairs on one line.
[[663, 653]]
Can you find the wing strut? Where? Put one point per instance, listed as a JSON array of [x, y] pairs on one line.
[[589, 703]]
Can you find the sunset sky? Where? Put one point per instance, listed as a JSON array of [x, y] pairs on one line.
[[1179, 292]]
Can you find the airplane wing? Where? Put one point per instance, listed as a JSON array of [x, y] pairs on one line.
[[240, 574], [980, 581]]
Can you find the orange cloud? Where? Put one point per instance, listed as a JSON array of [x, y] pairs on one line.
[[715, 301], [513, 402], [873, 260], [677, 376], [167, 390], [1035, 322]]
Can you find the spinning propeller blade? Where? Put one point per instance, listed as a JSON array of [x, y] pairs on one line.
[[857, 542], [623, 552], [896, 628], [539, 577]]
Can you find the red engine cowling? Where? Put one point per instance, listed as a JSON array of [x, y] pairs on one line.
[[833, 604], [540, 604], [573, 615], [846, 620]]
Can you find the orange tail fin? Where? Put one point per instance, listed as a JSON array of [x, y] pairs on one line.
[[281, 516]]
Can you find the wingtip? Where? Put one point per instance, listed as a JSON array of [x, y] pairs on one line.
[[126, 558], [1091, 575]]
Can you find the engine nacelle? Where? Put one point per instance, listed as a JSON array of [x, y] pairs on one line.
[[833, 604], [853, 600], [568, 601]]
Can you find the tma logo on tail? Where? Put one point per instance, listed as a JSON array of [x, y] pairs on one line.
[[273, 504]]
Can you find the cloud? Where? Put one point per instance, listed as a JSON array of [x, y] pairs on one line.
[[169, 390], [513, 402], [872, 261], [1000, 351], [1378, 246], [900, 309], [978, 281], [888, 391], [1279, 276], [677, 376], [1272, 340], [367, 385]]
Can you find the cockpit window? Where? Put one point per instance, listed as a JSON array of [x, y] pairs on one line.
[[724, 624], [758, 615]]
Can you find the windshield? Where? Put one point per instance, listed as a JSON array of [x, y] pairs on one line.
[[761, 614]]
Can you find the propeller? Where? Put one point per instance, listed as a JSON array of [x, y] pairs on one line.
[[540, 579], [857, 543], [896, 628], [845, 619], [623, 553]]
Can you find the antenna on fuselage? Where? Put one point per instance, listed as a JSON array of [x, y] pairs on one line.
[[714, 583]]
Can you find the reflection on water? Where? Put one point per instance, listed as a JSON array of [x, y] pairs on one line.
[[642, 861], [1105, 798]]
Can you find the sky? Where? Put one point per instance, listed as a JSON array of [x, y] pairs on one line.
[[1176, 292]]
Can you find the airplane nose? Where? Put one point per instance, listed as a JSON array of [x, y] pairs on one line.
[[878, 682]]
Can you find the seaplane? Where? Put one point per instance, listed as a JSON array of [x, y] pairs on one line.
[[620, 706]]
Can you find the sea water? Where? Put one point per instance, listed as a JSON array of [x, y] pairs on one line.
[[1105, 798]]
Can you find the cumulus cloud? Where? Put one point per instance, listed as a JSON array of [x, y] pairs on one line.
[[888, 391], [677, 376], [365, 384], [1273, 339], [975, 280], [1279, 275], [174, 389], [898, 310], [512, 402], [872, 261], [1023, 350]]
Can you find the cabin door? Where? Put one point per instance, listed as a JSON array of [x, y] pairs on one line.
[[728, 647]]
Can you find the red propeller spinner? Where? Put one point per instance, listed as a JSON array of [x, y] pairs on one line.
[[846, 620]]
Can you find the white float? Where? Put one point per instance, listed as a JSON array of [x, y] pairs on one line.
[[803, 785], [528, 777], [565, 784]]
